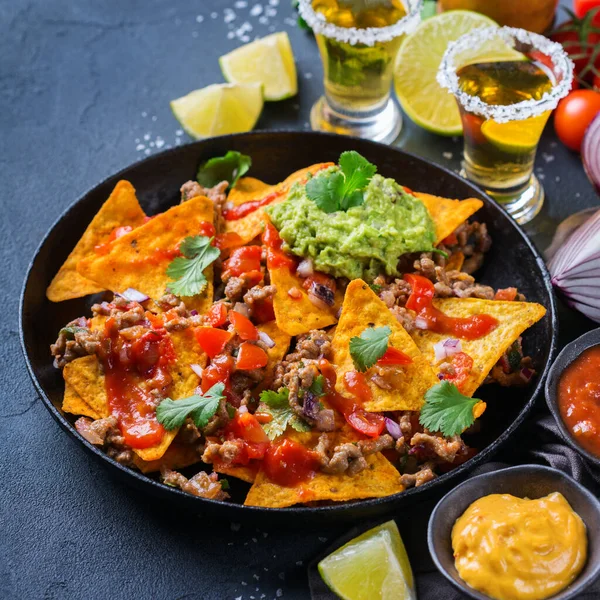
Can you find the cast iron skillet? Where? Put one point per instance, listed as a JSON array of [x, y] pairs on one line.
[[512, 261]]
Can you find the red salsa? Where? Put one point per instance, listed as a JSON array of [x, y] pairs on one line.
[[289, 463], [579, 399], [242, 210]]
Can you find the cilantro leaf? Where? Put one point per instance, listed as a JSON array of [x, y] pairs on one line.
[[223, 168], [70, 330], [369, 347], [187, 270], [341, 190], [447, 410], [172, 413], [316, 387], [278, 406]]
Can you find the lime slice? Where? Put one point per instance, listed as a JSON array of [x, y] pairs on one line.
[[373, 566], [515, 137], [420, 95], [219, 109], [269, 61]]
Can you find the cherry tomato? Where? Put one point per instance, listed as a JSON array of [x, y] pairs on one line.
[[393, 356], [573, 115], [243, 260], [218, 371], [462, 364], [582, 7], [243, 326], [217, 315], [212, 340], [578, 42], [247, 427], [422, 291], [369, 424], [596, 83], [251, 357]]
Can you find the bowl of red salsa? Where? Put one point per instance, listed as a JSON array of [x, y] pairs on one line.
[[573, 394]]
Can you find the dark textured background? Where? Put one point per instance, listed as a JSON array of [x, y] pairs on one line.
[[84, 91]]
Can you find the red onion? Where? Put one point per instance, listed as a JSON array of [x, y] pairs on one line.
[[134, 295], [242, 308], [83, 426], [310, 406], [193, 313], [575, 268], [393, 428], [446, 348], [242, 409], [526, 374], [294, 293], [590, 152], [305, 268], [197, 369], [318, 302], [265, 339]]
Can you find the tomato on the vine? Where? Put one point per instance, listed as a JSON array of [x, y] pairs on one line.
[[582, 7], [573, 116]]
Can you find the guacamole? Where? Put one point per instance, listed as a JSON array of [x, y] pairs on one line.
[[363, 242]]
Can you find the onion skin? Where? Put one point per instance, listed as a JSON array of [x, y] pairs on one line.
[[590, 152]]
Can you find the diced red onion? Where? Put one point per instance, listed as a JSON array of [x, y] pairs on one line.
[[134, 295], [446, 348], [420, 323], [242, 409], [193, 313], [590, 152], [197, 369], [526, 374], [317, 301], [305, 268], [242, 308], [393, 428], [310, 406], [294, 293], [82, 425], [265, 339]]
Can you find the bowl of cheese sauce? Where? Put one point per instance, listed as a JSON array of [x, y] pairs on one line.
[[522, 533]]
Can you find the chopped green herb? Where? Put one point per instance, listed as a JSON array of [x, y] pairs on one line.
[[70, 330], [278, 406], [228, 168], [316, 387], [369, 347], [224, 484], [376, 288], [173, 413]]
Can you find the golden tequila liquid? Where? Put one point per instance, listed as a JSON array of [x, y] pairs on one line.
[[500, 156], [358, 77]]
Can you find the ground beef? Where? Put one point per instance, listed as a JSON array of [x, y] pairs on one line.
[[396, 292], [444, 448], [225, 453], [258, 294], [106, 433], [423, 475], [74, 341], [202, 484], [312, 345], [473, 240], [234, 288], [349, 457], [405, 317], [217, 194], [460, 285]]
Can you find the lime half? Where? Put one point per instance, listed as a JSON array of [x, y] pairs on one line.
[[515, 137], [373, 566], [268, 61], [219, 109], [421, 96]]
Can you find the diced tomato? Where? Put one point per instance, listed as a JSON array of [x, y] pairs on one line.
[[156, 320], [230, 239], [217, 315], [321, 279], [212, 340], [247, 427], [462, 364], [289, 463], [275, 256], [207, 229], [356, 384], [243, 260], [422, 291], [262, 311], [218, 371], [251, 357], [408, 190], [506, 294], [150, 348], [143, 434], [393, 356], [243, 326], [450, 240], [369, 424], [253, 278]]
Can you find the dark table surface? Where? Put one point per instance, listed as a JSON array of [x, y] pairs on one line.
[[84, 90]]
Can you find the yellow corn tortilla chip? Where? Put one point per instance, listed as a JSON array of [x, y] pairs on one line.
[[85, 378], [122, 208], [246, 473], [251, 225], [379, 479], [73, 403], [448, 214], [513, 317], [455, 262], [297, 316], [277, 352], [362, 308], [139, 259], [177, 456]]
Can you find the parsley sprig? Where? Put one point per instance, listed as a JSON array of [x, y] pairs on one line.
[[369, 347], [278, 406], [343, 189], [187, 270], [173, 413], [447, 410], [229, 168]]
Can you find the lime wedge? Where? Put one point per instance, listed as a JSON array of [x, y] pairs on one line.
[[515, 137], [219, 109], [373, 566], [423, 100], [269, 61]]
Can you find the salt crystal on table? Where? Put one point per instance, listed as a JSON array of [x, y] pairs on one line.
[[557, 179], [240, 4], [447, 155], [199, 19], [279, 592], [140, 147], [213, 15], [274, 2], [256, 10], [547, 157]]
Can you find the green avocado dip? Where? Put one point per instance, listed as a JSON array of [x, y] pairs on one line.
[[363, 242]]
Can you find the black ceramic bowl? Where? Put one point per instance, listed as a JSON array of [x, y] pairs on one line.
[[531, 481], [568, 354], [512, 261]]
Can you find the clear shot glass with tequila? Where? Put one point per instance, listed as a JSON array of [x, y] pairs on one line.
[[507, 82], [359, 41]]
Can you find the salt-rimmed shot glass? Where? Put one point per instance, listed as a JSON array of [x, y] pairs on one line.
[[359, 41], [506, 81]]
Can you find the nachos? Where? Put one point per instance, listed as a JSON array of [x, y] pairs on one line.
[[322, 339]]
